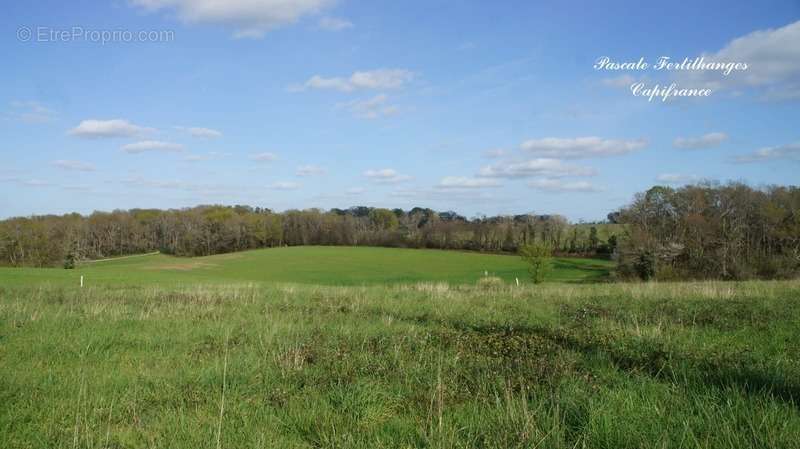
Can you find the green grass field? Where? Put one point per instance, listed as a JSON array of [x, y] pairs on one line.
[[308, 265], [385, 348], [698, 365]]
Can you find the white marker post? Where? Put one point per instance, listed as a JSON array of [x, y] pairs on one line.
[[81, 281], [517, 281]]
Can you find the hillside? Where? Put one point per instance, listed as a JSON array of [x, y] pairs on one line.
[[308, 265]]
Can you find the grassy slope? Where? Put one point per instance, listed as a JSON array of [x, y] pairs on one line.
[[706, 365], [312, 265]]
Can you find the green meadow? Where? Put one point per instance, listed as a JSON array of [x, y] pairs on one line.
[[387, 348], [319, 265]]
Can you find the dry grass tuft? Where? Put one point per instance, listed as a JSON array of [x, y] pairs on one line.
[[490, 282]]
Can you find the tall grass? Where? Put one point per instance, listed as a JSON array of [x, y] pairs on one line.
[[711, 365]]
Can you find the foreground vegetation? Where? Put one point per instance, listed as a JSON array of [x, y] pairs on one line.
[[308, 265], [707, 365]]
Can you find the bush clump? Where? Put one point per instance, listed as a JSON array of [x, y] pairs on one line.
[[539, 257]]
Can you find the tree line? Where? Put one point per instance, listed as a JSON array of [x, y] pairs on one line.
[[705, 231], [51, 240], [711, 231]]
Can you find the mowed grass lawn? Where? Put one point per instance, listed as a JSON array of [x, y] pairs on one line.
[[308, 265], [431, 365]]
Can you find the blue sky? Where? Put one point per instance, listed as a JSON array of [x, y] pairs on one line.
[[473, 106]]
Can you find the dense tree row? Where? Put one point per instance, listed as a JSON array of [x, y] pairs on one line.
[[704, 231], [712, 231], [52, 240]]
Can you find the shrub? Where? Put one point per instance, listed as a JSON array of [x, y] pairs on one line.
[[645, 265], [69, 262], [539, 257]]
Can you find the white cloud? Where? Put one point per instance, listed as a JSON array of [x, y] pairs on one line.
[[264, 157], [334, 24], [77, 187], [676, 178], [710, 140], [355, 191], [36, 183], [622, 81], [203, 133], [551, 168], [772, 57], [201, 189], [318, 82], [386, 176], [787, 152], [448, 196], [581, 147], [74, 165], [249, 18], [372, 108], [152, 145], [97, 129], [285, 186], [31, 112], [782, 93], [381, 79], [560, 186], [138, 181], [310, 170], [460, 182], [372, 79], [25, 182]]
